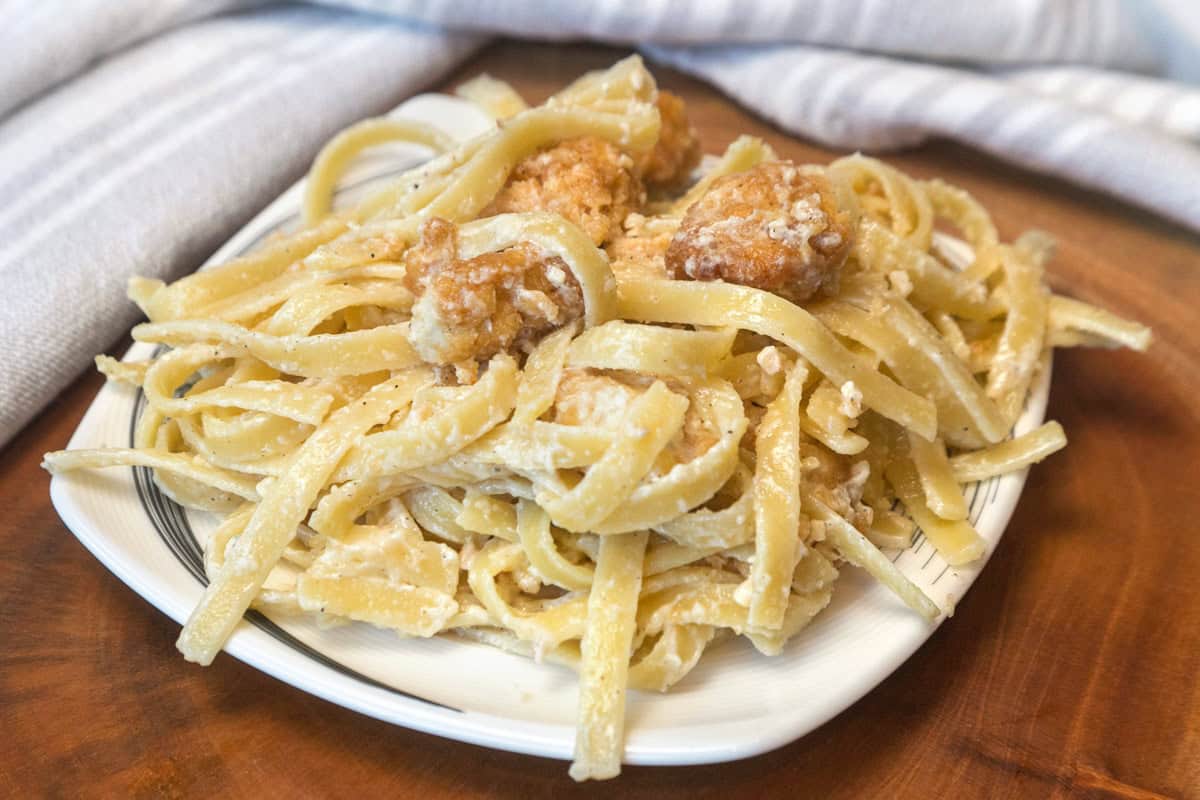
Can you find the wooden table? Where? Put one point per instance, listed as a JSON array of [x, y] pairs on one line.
[[1070, 669]]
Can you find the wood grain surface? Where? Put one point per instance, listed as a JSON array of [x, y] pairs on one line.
[[1070, 669]]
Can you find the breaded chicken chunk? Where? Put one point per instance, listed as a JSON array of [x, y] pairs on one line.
[[469, 309], [590, 399], [638, 252], [588, 181], [838, 483], [776, 227], [677, 151]]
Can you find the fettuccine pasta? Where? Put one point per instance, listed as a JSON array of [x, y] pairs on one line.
[[561, 391]]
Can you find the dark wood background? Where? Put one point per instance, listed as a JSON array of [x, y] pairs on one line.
[[1070, 669]]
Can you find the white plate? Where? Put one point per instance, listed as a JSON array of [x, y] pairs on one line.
[[736, 703]]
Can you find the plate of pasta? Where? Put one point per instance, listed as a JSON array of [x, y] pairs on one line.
[[536, 428]]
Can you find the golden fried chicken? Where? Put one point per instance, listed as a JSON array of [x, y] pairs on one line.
[[638, 252], [469, 309], [692, 441], [677, 151], [776, 227], [587, 398], [838, 483], [587, 180]]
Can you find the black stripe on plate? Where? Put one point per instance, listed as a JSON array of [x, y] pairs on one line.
[[170, 522]]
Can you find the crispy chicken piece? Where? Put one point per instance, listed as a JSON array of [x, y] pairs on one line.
[[586, 180], [585, 398], [776, 227], [838, 483], [638, 252], [469, 309], [692, 441], [677, 151]]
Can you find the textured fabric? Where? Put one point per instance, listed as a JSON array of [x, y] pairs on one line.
[[147, 161], [136, 136]]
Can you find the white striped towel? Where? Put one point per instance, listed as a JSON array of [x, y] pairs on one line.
[[136, 136]]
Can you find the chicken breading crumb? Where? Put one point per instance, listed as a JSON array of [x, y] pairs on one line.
[[638, 252], [587, 398], [469, 309], [588, 181], [776, 227], [677, 151], [838, 483]]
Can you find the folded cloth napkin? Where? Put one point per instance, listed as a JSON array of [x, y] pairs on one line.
[[136, 136]]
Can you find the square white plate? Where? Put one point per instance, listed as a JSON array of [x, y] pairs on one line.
[[736, 703]]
